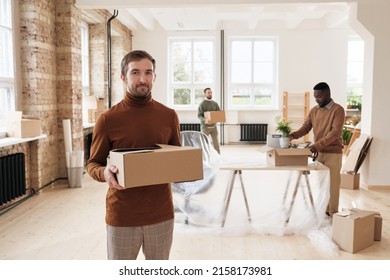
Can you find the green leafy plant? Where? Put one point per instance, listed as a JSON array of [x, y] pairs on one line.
[[346, 135], [284, 127]]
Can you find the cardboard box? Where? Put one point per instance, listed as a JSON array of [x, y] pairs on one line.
[[353, 230], [350, 181], [100, 105], [93, 115], [97, 114], [20, 127], [94, 107], [215, 116], [378, 227], [288, 157], [157, 165], [93, 102]]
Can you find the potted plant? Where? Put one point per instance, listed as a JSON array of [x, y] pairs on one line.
[[284, 127]]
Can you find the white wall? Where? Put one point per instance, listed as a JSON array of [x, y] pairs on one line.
[[306, 57], [311, 56], [373, 25]]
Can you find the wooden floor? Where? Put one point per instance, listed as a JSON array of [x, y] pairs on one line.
[[62, 223]]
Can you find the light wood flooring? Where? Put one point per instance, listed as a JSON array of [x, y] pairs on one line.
[[62, 223]]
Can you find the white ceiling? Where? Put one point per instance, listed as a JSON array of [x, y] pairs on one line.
[[176, 15]]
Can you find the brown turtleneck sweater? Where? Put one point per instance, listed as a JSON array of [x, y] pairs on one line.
[[134, 123]]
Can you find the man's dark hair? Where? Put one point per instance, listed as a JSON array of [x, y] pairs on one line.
[[135, 56], [204, 91], [322, 86]]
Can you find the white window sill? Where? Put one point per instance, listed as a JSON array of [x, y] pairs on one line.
[[88, 125], [9, 141]]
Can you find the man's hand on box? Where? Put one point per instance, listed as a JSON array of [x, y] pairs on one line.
[[109, 175]]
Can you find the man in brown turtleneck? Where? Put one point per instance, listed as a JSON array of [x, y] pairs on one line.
[[141, 216]]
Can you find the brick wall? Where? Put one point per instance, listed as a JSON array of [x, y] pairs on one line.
[[38, 67], [120, 46], [50, 45]]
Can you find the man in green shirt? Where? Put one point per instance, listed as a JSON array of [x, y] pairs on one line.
[[206, 127]]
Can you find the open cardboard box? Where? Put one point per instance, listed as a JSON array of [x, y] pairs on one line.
[[157, 165], [350, 181], [215, 116], [288, 157], [21, 126]]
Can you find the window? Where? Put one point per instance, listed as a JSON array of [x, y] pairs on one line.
[[253, 73], [355, 73], [85, 58], [7, 75], [191, 70]]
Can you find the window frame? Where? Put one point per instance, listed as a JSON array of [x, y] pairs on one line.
[[252, 86], [196, 88], [355, 84], [8, 81]]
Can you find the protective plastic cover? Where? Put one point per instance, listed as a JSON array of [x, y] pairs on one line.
[[203, 205]]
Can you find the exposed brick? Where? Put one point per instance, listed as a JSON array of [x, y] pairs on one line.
[[50, 41]]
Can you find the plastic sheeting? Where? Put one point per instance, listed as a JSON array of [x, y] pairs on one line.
[[269, 191], [210, 158]]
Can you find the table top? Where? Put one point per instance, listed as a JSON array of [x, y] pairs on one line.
[[266, 166]]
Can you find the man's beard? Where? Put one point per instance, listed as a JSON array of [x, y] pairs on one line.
[[140, 94]]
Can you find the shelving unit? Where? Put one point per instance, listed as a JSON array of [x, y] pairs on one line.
[[296, 107]]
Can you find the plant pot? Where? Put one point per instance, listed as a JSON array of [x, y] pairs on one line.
[[284, 142]]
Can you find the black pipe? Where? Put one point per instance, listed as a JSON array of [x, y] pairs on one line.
[[33, 192], [222, 85], [109, 57]]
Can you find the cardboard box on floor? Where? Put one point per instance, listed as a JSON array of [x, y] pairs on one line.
[[350, 181], [21, 126], [157, 165], [354, 229], [215, 116], [288, 157], [378, 227]]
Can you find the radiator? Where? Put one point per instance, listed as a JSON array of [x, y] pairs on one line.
[[190, 126], [254, 132], [12, 177]]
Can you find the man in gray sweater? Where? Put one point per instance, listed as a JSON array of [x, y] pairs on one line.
[[209, 128]]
